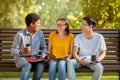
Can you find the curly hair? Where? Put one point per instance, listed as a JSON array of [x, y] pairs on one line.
[[31, 18]]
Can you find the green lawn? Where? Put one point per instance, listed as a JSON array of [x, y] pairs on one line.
[[80, 76]]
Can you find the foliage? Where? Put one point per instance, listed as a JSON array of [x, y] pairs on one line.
[[51, 10], [106, 12], [13, 11]]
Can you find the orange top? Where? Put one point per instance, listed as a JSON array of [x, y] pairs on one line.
[[60, 47]]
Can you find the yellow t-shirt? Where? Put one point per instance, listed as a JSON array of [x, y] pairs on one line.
[[60, 47]]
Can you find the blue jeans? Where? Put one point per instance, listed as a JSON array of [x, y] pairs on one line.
[[53, 66], [26, 66], [73, 64]]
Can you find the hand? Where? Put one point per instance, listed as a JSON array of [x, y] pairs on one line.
[[42, 58], [25, 50], [98, 59], [50, 56], [67, 59], [83, 62]]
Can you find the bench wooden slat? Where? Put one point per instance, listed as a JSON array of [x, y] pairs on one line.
[[9, 69], [111, 62]]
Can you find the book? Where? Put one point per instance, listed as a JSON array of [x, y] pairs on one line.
[[32, 59], [89, 59], [27, 55], [50, 55], [54, 57]]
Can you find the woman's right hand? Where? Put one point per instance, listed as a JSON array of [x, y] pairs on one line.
[[50, 56]]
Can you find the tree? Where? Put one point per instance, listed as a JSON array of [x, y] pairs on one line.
[[53, 9], [106, 12], [12, 12]]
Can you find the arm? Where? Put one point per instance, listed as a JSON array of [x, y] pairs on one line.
[[49, 46], [70, 47], [43, 47], [16, 44], [49, 50], [75, 51], [102, 49], [71, 52], [50, 56], [81, 61], [101, 57]]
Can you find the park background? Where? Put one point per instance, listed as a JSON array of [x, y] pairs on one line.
[[105, 12]]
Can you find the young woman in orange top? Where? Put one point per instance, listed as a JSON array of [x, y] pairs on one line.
[[60, 45]]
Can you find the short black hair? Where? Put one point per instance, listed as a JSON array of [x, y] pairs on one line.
[[31, 18], [89, 20]]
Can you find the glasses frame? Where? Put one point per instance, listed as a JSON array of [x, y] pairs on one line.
[[59, 25]]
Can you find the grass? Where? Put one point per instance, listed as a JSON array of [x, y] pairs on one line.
[[105, 76], [80, 76]]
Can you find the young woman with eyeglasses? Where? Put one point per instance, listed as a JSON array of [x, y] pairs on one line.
[[60, 45]]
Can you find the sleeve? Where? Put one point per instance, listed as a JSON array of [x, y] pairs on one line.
[[51, 36], [71, 38], [102, 43], [76, 42], [15, 49], [43, 46]]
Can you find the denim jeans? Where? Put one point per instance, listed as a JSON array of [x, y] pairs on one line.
[[53, 66], [26, 66], [73, 64]]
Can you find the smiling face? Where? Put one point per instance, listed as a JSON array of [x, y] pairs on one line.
[[34, 26], [61, 26], [32, 22], [86, 28]]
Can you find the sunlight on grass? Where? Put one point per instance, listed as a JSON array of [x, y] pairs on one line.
[[106, 76], [80, 76]]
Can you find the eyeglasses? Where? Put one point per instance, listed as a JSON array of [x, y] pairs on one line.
[[59, 25]]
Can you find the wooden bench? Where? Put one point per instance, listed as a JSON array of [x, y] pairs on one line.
[[111, 62]]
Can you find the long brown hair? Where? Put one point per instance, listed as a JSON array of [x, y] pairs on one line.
[[67, 30]]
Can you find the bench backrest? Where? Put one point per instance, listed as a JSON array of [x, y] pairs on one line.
[[112, 39]]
